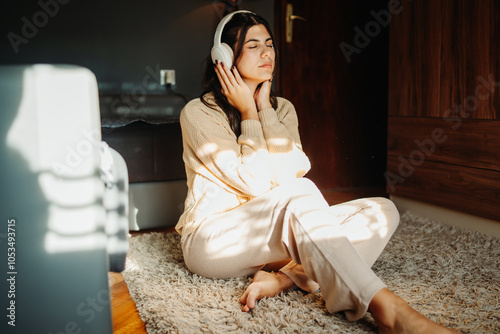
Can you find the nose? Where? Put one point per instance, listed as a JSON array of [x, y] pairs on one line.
[[266, 52]]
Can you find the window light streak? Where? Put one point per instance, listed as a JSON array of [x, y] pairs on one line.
[[70, 192], [280, 142], [55, 243], [75, 221]]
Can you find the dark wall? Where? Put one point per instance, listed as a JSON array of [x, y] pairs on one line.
[[124, 43]]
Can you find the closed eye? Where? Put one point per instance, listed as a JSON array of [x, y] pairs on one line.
[[255, 43]]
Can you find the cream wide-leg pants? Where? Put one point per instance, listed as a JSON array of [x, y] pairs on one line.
[[333, 246]]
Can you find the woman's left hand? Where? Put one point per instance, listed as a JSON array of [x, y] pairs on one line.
[[262, 95]]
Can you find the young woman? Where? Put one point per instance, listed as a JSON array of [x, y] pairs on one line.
[[249, 208]]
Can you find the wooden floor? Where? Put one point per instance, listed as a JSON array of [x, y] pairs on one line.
[[126, 319]]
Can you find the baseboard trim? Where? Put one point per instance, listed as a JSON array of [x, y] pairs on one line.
[[156, 204], [447, 216]]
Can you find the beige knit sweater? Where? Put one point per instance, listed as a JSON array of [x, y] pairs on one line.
[[224, 171]]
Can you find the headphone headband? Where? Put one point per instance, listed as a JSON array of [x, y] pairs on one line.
[[222, 23], [221, 51]]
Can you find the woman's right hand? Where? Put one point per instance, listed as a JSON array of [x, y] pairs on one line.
[[236, 91]]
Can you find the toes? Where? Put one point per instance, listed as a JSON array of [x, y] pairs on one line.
[[251, 299], [248, 299], [243, 298]]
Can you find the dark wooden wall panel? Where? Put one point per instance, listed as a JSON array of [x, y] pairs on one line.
[[460, 188], [472, 143], [495, 55], [444, 138], [466, 58], [415, 55]]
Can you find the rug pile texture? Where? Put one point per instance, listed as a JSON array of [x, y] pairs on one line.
[[449, 274]]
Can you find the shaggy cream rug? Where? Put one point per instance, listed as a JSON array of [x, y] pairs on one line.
[[450, 275]]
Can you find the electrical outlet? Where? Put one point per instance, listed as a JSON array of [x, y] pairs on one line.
[[167, 77]]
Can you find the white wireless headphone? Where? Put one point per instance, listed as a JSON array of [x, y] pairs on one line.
[[221, 51]]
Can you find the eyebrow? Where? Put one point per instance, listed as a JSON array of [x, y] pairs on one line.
[[257, 40]]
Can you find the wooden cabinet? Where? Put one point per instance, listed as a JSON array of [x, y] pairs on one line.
[[444, 105], [153, 152]]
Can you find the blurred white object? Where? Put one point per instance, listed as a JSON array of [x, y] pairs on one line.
[[114, 175], [52, 189]]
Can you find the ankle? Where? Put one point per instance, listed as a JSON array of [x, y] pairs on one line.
[[385, 307], [284, 281]]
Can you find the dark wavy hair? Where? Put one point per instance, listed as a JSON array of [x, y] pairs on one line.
[[234, 34]]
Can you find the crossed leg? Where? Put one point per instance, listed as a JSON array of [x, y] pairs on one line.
[[392, 313], [294, 221]]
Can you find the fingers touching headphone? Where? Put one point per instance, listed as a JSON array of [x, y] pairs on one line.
[[236, 90]]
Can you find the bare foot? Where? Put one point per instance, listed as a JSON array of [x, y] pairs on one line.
[[264, 285], [394, 315]]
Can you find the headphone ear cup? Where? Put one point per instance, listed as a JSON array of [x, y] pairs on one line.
[[229, 55], [223, 53]]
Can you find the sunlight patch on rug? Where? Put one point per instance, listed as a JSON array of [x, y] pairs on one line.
[[449, 274]]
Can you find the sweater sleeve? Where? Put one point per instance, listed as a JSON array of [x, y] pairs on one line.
[[281, 133], [240, 165]]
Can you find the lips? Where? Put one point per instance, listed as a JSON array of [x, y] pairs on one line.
[[267, 65]]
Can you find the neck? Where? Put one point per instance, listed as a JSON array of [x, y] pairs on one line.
[[252, 85]]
